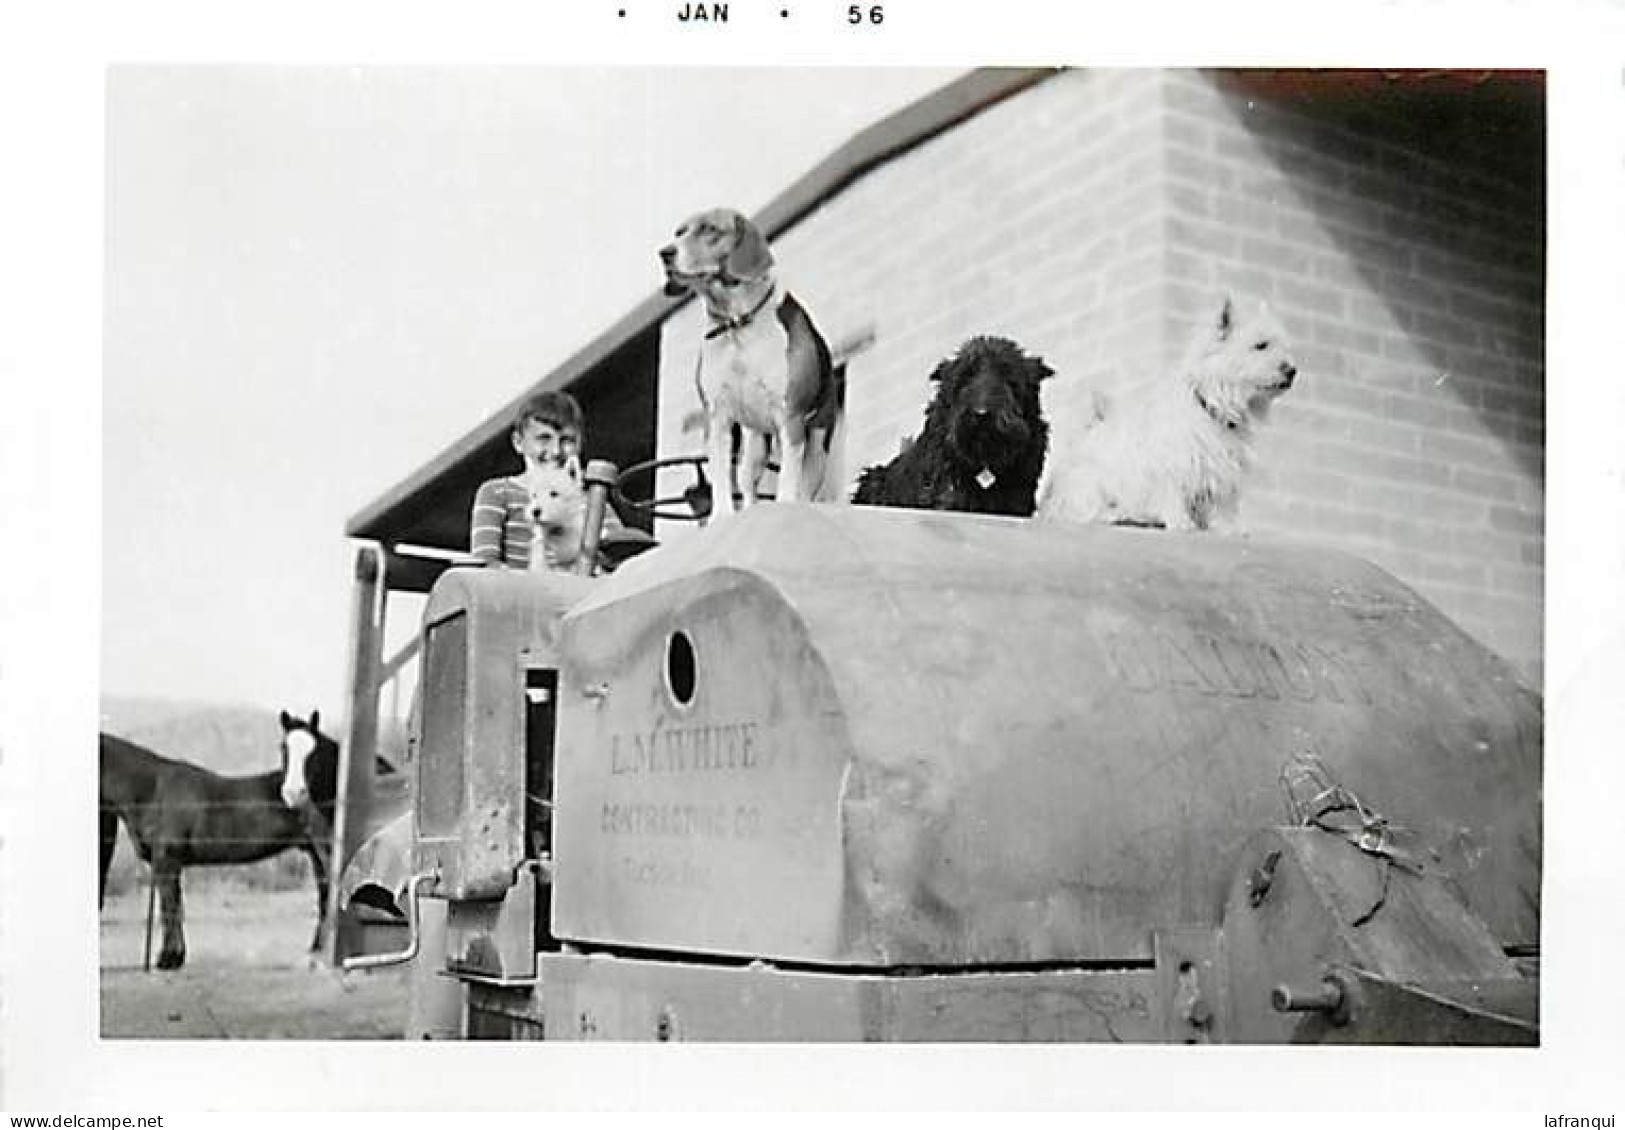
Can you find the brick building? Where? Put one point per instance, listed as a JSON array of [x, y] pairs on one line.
[[1395, 224]]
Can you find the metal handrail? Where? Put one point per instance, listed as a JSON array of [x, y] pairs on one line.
[[414, 933]]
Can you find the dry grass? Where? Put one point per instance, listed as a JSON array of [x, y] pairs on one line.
[[248, 973]]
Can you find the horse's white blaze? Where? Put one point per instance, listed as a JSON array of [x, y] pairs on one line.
[[295, 791]]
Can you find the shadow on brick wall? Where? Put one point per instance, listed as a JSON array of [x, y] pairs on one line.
[[1433, 191]]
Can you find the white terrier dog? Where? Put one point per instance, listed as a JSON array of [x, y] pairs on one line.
[[1172, 452], [557, 509]]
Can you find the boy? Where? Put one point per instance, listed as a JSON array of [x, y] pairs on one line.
[[547, 434]]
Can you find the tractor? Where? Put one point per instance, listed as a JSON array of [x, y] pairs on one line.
[[835, 773]]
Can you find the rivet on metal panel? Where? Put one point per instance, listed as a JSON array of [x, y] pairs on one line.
[[1262, 878]]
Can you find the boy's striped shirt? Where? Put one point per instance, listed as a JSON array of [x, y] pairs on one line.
[[499, 530]]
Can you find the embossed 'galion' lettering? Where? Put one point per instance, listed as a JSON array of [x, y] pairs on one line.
[[1231, 666]]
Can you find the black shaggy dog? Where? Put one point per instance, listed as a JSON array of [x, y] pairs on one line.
[[984, 441]]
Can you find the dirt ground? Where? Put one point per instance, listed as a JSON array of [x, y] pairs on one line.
[[247, 973]]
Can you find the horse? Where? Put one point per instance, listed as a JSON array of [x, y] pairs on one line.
[[180, 815]]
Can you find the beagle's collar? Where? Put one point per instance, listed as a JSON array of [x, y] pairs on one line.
[[720, 326]]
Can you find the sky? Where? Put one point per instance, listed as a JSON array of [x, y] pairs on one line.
[[317, 278]]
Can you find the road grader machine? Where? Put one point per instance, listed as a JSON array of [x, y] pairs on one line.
[[830, 773]]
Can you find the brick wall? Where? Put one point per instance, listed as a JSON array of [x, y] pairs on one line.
[[1094, 216], [1413, 289], [1029, 220]]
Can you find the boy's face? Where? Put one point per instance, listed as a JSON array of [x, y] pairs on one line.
[[539, 442]]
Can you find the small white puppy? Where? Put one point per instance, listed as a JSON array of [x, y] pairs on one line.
[[1172, 452], [557, 509]]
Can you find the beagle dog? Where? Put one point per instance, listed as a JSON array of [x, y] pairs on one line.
[[763, 364]]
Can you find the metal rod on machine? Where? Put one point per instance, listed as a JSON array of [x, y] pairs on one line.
[[414, 935], [1327, 997], [390, 672], [400, 659], [358, 753], [600, 476]]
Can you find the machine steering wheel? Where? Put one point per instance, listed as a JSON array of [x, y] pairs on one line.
[[693, 505]]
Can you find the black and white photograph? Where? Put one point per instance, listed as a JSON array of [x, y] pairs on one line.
[[1016, 572]]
